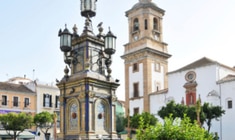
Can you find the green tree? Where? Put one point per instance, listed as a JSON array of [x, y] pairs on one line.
[[148, 119], [44, 121], [176, 110], [16, 123], [205, 113], [211, 112], [173, 129]]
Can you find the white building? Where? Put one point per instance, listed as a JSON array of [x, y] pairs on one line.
[[149, 85], [47, 100], [211, 81]]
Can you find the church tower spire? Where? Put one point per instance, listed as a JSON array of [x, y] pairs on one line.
[[145, 56]]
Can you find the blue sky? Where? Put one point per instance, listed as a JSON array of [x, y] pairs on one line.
[[191, 28]]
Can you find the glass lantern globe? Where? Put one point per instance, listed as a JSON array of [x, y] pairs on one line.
[[110, 43], [88, 8], [65, 40]]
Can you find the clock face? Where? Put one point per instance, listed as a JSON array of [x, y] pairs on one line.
[[156, 37], [190, 76]]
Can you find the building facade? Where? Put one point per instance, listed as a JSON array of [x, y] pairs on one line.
[[41, 97], [47, 100], [145, 56], [206, 80], [148, 84], [16, 98]]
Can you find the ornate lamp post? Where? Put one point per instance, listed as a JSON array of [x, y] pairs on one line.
[[70, 54], [109, 49], [66, 44], [89, 85]]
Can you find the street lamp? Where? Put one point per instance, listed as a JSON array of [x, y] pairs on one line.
[[88, 55], [88, 8], [105, 55], [65, 40], [71, 53], [65, 44], [110, 43]]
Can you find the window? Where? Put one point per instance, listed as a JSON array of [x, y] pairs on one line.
[[4, 100], [57, 102], [26, 102], [47, 100], [136, 89], [136, 110], [73, 116], [157, 67], [136, 24], [135, 67], [146, 24], [230, 104], [155, 24], [15, 101]]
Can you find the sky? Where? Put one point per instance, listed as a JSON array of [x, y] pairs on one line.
[[30, 44]]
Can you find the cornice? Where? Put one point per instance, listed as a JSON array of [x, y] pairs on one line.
[[144, 53]]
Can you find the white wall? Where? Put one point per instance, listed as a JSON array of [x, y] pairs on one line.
[[134, 78], [227, 124], [157, 77], [137, 103], [206, 78], [156, 103]]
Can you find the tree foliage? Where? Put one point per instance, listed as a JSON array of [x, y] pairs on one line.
[[176, 110], [206, 112], [173, 129], [148, 119], [211, 112], [16, 123], [44, 121]]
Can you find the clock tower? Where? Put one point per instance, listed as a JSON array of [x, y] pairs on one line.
[[145, 56]]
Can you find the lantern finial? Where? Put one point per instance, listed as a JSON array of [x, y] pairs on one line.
[[88, 8]]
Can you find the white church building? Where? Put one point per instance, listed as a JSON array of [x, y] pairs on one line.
[[212, 81], [148, 84]]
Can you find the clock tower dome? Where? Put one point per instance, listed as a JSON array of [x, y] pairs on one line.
[[146, 56]]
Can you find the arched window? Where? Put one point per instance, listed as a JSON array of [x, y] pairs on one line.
[[73, 116], [136, 24], [155, 23], [146, 24], [102, 118]]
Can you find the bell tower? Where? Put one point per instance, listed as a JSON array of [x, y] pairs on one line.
[[145, 56]]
